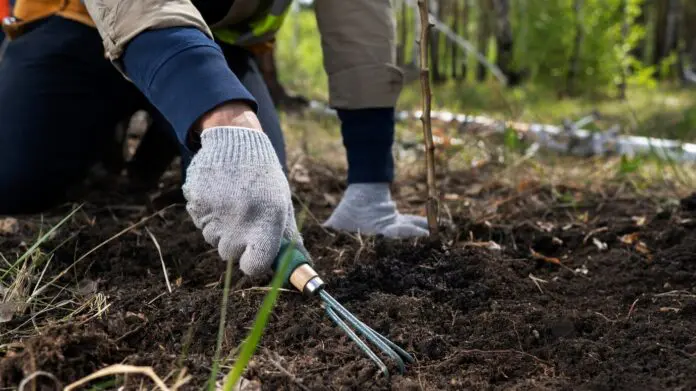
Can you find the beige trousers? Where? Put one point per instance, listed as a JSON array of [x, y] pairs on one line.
[[357, 38]]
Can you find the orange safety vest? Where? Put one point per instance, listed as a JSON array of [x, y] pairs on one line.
[[5, 10], [29, 10]]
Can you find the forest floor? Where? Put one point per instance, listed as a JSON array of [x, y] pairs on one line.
[[539, 283]]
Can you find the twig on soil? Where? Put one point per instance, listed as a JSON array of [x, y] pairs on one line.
[[310, 214], [181, 379], [97, 314], [490, 245], [592, 233], [30, 320], [118, 369], [676, 294], [551, 260], [287, 373], [448, 212], [155, 298], [34, 375], [129, 333], [633, 307], [38, 282], [159, 251], [360, 249], [264, 289], [431, 203], [601, 315], [536, 281]]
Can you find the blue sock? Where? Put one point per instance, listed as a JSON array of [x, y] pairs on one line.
[[368, 135]]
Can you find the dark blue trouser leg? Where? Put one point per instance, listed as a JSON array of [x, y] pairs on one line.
[[244, 66], [59, 102]]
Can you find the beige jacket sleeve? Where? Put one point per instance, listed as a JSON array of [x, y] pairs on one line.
[[358, 40], [119, 21]]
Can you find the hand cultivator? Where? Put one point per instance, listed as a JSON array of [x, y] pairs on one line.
[[305, 279]]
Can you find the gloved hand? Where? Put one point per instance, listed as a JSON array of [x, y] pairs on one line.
[[238, 195], [369, 209]]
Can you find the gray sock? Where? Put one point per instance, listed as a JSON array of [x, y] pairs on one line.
[[367, 208]]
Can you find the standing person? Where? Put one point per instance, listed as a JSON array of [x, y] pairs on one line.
[[190, 61]]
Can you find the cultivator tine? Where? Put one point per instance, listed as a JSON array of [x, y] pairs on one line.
[[362, 345], [386, 346], [303, 277]]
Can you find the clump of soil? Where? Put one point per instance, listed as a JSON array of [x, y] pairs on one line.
[[540, 294]]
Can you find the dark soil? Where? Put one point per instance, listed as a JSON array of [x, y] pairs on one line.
[[596, 293]]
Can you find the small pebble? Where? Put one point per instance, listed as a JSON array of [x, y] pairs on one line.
[[691, 348]]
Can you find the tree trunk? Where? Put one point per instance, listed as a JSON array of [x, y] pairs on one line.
[[436, 9], [672, 26], [504, 40], [674, 11], [624, 37], [690, 32], [465, 34], [484, 36], [574, 67], [659, 32], [454, 50], [415, 60]]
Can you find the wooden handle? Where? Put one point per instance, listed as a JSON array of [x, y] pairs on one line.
[[306, 280], [299, 273]]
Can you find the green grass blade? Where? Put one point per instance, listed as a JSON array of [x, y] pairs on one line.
[[252, 341], [221, 328], [39, 242]]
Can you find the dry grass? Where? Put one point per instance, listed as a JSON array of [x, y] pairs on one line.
[[513, 164]]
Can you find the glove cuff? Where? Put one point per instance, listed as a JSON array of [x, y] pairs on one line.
[[236, 145]]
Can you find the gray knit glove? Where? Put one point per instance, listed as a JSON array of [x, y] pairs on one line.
[[239, 196]]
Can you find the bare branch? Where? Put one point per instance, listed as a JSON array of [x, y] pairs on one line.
[[431, 203]]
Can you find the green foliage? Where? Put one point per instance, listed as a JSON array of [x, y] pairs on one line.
[[299, 55], [544, 37], [512, 140], [642, 74], [629, 165], [565, 197], [667, 64], [550, 29]]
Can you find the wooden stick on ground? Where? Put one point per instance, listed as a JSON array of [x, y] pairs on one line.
[[431, 203]]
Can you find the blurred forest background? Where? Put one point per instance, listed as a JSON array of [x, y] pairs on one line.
[[533, 60]]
